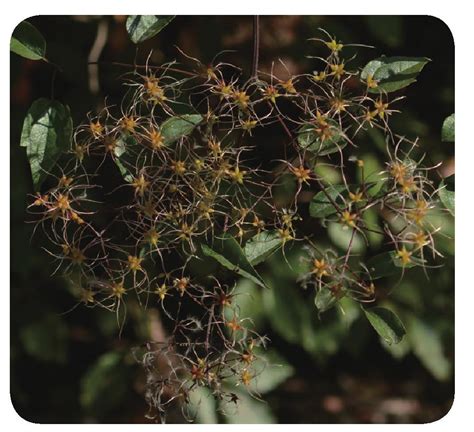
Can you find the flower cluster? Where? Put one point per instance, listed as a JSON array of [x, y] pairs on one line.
[[184, 145]]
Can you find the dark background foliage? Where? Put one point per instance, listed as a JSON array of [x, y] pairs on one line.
[[70, 365]]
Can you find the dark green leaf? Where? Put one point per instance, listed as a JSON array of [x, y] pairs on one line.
[[387, 264], [105, 383], [143, 27], [286, 311], [260, 246], [247, 299], [227, 252], [28, 42], [309, 140], [47, 132], [386, 324], [341, 236], [387, 28], [321, 206], [46, 340], [446, 193], [177, 127], [125, 155], [427, 346], [324, 300], [393, 73], [447, 131]]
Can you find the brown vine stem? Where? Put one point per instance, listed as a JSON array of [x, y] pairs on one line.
[[256, 46]]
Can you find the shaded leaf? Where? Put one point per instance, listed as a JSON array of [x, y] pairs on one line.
[[203, 406], [321, 206], [324, 299], [47, 132], [229, 254], [28, 42], [269, 370], [248, 410], [124, 156], [393, 73], [447, 131], [387, 28], [177, 127], [309, 140], [46, 340], [386, 324], [272, 370], [262, 245], [105, 383], [387, 264], [247, 299], [446, 193], [399, 350], [143, 27], [285, 309], [426, 344], [341, 236]]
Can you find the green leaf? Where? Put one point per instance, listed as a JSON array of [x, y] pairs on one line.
[[321, 206], [248, 410], [269, 370], [286, 311], [124, 156], [399, 350], [28, 42], [324, 299], [427, 346], [177, 127], [341, 236], [309, 140], [143, 27], [373, 172], [46, 340], [247, 299], [386, 324], [387, 28], [393, 73], [227, 252], [447, 131], [203, 406], [47, 132], [105, 383], [446, 193], [261, 246], [387, 264]]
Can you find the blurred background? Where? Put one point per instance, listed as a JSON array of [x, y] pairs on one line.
[[71, 366]]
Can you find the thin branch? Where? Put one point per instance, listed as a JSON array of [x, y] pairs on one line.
[[256, 45]]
